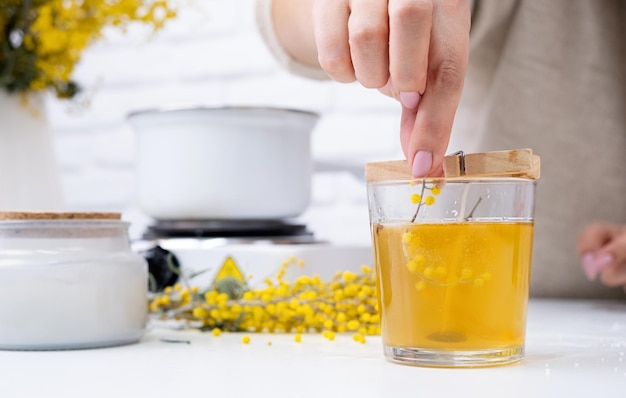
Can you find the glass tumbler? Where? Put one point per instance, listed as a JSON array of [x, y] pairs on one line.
[[453, 260]]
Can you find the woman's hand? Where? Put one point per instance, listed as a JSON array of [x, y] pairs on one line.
[[413, 50], [602, 250]]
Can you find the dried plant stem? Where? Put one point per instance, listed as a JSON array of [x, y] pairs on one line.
[[471, 213], [464, 202], [419, 206], [462, 216]]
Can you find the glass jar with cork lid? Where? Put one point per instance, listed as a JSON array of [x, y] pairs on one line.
[[69, 281], [453, 258]]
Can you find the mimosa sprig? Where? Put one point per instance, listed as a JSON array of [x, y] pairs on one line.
[[421, 200]]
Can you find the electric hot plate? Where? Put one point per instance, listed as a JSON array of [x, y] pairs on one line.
[[224, 229]]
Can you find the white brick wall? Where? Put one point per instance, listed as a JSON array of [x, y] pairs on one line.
[[212, 55]]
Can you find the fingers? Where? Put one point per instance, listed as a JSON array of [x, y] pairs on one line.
[[590, 240], [420, 45], [595, 236], [389, 90], [614, 276], [593, 263], [330, 23], [352, 39], [448, 57], [409, 39], [369, 37], [602, 247]]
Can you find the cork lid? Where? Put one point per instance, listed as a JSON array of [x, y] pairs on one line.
[[14, 215]]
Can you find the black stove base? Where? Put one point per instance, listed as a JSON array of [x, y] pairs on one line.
[[224, 229]]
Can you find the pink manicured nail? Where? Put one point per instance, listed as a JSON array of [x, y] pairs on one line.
[[594, 264], [422, 163], [589, 266], [410, 99], [603, 261]]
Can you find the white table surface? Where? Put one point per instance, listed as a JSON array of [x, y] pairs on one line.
[[574, 349]]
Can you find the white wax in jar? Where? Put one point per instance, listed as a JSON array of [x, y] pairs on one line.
[[71, 293]]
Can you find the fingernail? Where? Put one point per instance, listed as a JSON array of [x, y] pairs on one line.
[[589, 266], [410, 99], [603, 261], [422, 163], [594, 264]]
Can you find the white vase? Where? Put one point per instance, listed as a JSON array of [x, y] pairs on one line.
[[29, 174]]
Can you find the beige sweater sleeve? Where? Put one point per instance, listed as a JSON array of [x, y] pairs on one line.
[[266, 30]]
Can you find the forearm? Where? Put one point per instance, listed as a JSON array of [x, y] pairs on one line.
[[293, 25]]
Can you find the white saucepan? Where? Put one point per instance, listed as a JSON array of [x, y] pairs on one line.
[[224, 163]]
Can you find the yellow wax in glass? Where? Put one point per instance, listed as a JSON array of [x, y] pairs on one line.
[[453, 286]]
